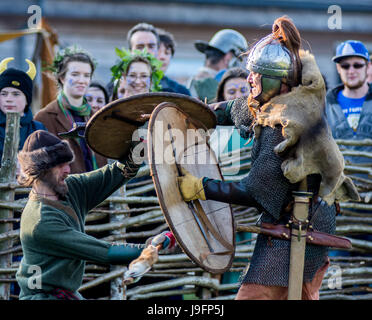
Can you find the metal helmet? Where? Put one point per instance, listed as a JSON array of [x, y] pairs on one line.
[[224, 40], [275, 64]]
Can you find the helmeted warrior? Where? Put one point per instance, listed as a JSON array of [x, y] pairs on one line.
[[285, 113]]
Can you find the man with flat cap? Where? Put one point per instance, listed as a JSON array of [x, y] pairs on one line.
[[221, 53]]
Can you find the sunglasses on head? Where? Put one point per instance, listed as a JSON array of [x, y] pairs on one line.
[[356, 65]]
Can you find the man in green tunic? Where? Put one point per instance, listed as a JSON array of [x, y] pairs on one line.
[[55, 245]]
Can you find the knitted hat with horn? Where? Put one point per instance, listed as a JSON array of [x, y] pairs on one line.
[[14, 78]]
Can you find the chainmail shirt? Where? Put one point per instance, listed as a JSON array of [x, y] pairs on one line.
[[273, 192]]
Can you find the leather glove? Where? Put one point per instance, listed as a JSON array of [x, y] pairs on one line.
[[130, 164], [190, 186]]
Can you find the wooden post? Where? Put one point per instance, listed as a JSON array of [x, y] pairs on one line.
[[206, 292], [8, 175]]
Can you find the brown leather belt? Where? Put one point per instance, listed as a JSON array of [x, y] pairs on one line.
[[312, 236], [283, 232]]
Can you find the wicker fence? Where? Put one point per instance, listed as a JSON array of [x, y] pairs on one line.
[[133, 213]]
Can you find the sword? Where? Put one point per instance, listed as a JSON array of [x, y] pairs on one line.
[[189, 203], [298, 241], [74, 131]]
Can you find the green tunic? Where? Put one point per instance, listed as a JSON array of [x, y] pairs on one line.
[[55, 246]]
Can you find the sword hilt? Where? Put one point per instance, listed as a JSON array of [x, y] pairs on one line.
[[74, 131]]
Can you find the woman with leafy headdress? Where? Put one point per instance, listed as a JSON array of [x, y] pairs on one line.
[[137, 72], [73, 68]]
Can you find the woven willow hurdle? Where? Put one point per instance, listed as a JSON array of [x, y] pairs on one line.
[[118, 218]]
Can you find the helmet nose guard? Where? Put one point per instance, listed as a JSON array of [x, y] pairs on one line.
[[275, 63], [271, 59]]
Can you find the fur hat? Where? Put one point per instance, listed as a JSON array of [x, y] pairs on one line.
[[43, 150]]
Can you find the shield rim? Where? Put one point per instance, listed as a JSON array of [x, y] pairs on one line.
[[210, 120]]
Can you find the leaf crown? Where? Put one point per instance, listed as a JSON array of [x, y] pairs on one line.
[[126, 57], [60, 56]]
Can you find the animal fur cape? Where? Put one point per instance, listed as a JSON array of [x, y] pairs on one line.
[[308, 145]]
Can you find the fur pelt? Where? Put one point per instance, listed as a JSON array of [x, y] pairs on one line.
[[308, 146], [148, 257]]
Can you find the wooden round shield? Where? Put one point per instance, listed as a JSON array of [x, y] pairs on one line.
[[203, 229], [109, 132]]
